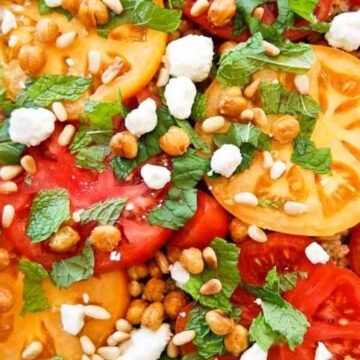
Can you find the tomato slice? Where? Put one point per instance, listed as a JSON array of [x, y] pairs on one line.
[[354, 255], [209, 221]]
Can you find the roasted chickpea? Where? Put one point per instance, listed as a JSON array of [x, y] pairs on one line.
[[154, 270], [238, 230], [174, 302], [154, 290], [219, 322], [232, 102], [175, 142], [173, 253], [135, 288], [6, 299], [47, 30], [71, 5], [135, 311], [192, 260], [137, 272], [153, 316], [105, 237], [221, 12], [285, 129], [124, 144], [92, 13], [32, 58], [4, 259], [64, 240], [237, 340]]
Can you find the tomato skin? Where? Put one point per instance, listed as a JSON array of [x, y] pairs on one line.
[[209, 221], [145, 93], [354, 255]]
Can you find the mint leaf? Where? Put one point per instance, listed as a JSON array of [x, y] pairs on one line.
[[243, 60], [227, 255], [86, 136], [68, 271], [320, 27], [92, 157], [49, 88], [176, 4], [45, 10], [261, 333], [199, 107], [104, 212], [280, 283], [49, 209], [34, 296], [6, 105], [192, 356], [57, 357], [10, 152], [271, 204], [304, 8], [238, 25]]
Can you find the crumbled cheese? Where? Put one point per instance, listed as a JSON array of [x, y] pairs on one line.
[[115, 256], [8, 22], [129, 207], [53, 3], [13, 40], [145, 344], [154, 176], [344, 31], [179, 274], [322, 353], [143, 119], [190, 56], [180, 95], [254, 353], [316, 254], [31, 126], [258, 301], [72, 318], [226, 159]]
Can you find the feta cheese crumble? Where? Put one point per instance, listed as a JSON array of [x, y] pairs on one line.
[[254, 353], [226, 159], [316, 254], [143, 119], [145, 344], [53, 3], [179, 274], [31, 126], [154, 176], [322, 353], [190, 56], [344, 31], [180, 95], [8, 22], [115, 256], [72, 318]]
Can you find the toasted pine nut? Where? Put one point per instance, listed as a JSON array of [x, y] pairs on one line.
[[123, 325], [66, 135], [8, 187], [270, 49], [94, 61], [252, 88], [109, 352], [199, 7], [258, 13], [87, 345], [153, 316], [211, 287], [65, 39], [267, 160], [219, 322], [32, 351], [114, 5], [96, 312], [183, 337], [9, 172], [295, 208], [213, 124], [192, 260], [112, 72], [257, 234], [162, 262], [163, 77], [7, 216], [210, 257], [59, 110], [117, 337], [277, 169], [247, 115], [29, 164], [246, 198], [172, 350], [237, 340], [302, 84], [260, 117]]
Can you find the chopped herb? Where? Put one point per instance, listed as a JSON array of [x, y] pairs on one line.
[[238, 25], [45, 10], [176, 4], [199, 107], [6, 105], [10, 152], [86, 136], [320, 27], [92, 157], [267, 203], [304, 8]]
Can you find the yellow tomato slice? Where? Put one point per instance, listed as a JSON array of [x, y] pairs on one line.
[[108, 290], [334, 199]]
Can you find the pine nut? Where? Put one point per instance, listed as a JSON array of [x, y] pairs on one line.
[[258, 13], [267, 160], [295, 208], [277, 169], [8, 187], [135, 288], [257, 234], [59, 110], [302, 84], [162, 262], [7, 216], [199, 7], [172, 350], [85, 357], [96, 312], [246, 198], [114, 5], [213, 124], [251, 89], [210, 257], [270, 49], [247, 115], [117, 337], [109, 352], [29, 164], [94, 61], [53, 3], [9, 172], [87, 345], [65, 39], [66, 135], [32, 351], [163, 77], [191, 259], [96, 357], [183, 337], [112, 72], [123, 325], [260, 117], [211, 287]]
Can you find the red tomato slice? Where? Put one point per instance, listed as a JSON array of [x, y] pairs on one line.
[[210, 221], [354, 255]]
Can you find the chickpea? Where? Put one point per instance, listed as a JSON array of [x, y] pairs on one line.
[[192, 260], [221, 12], [174, 302], [105, 237], [6, 299], [226, 46], [135, 311], [31, 58], [92, 13], [4, 259], [71, 5], [237, 340], [47, 30], [137, 272], [124, 144], [238, 231], [232, 102], [153, 316], [175, 142], [154, 290], [65, 239], [135, 288], [154, 270], [173, 253], [219, 322], [285, 129]]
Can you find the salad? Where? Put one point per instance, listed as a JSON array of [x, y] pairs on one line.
[[179, 179]]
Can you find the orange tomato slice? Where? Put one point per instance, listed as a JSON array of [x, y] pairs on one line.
[[334, 199]]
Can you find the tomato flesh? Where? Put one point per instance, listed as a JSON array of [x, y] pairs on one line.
[[354, 255]]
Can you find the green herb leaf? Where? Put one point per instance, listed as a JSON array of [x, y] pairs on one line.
[[261, 333], [238, 25], [86, 136], [271, 204], [57, 358], [68, 271], [6, 105], [227, 255], [199, 107], [176, 4], [49, 88], [304, 8], [192, 356], [92, 157], [104, 212], [280, 283], [49, 209], [320, 27], [10, 152], [34, 296], [45, 10]]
